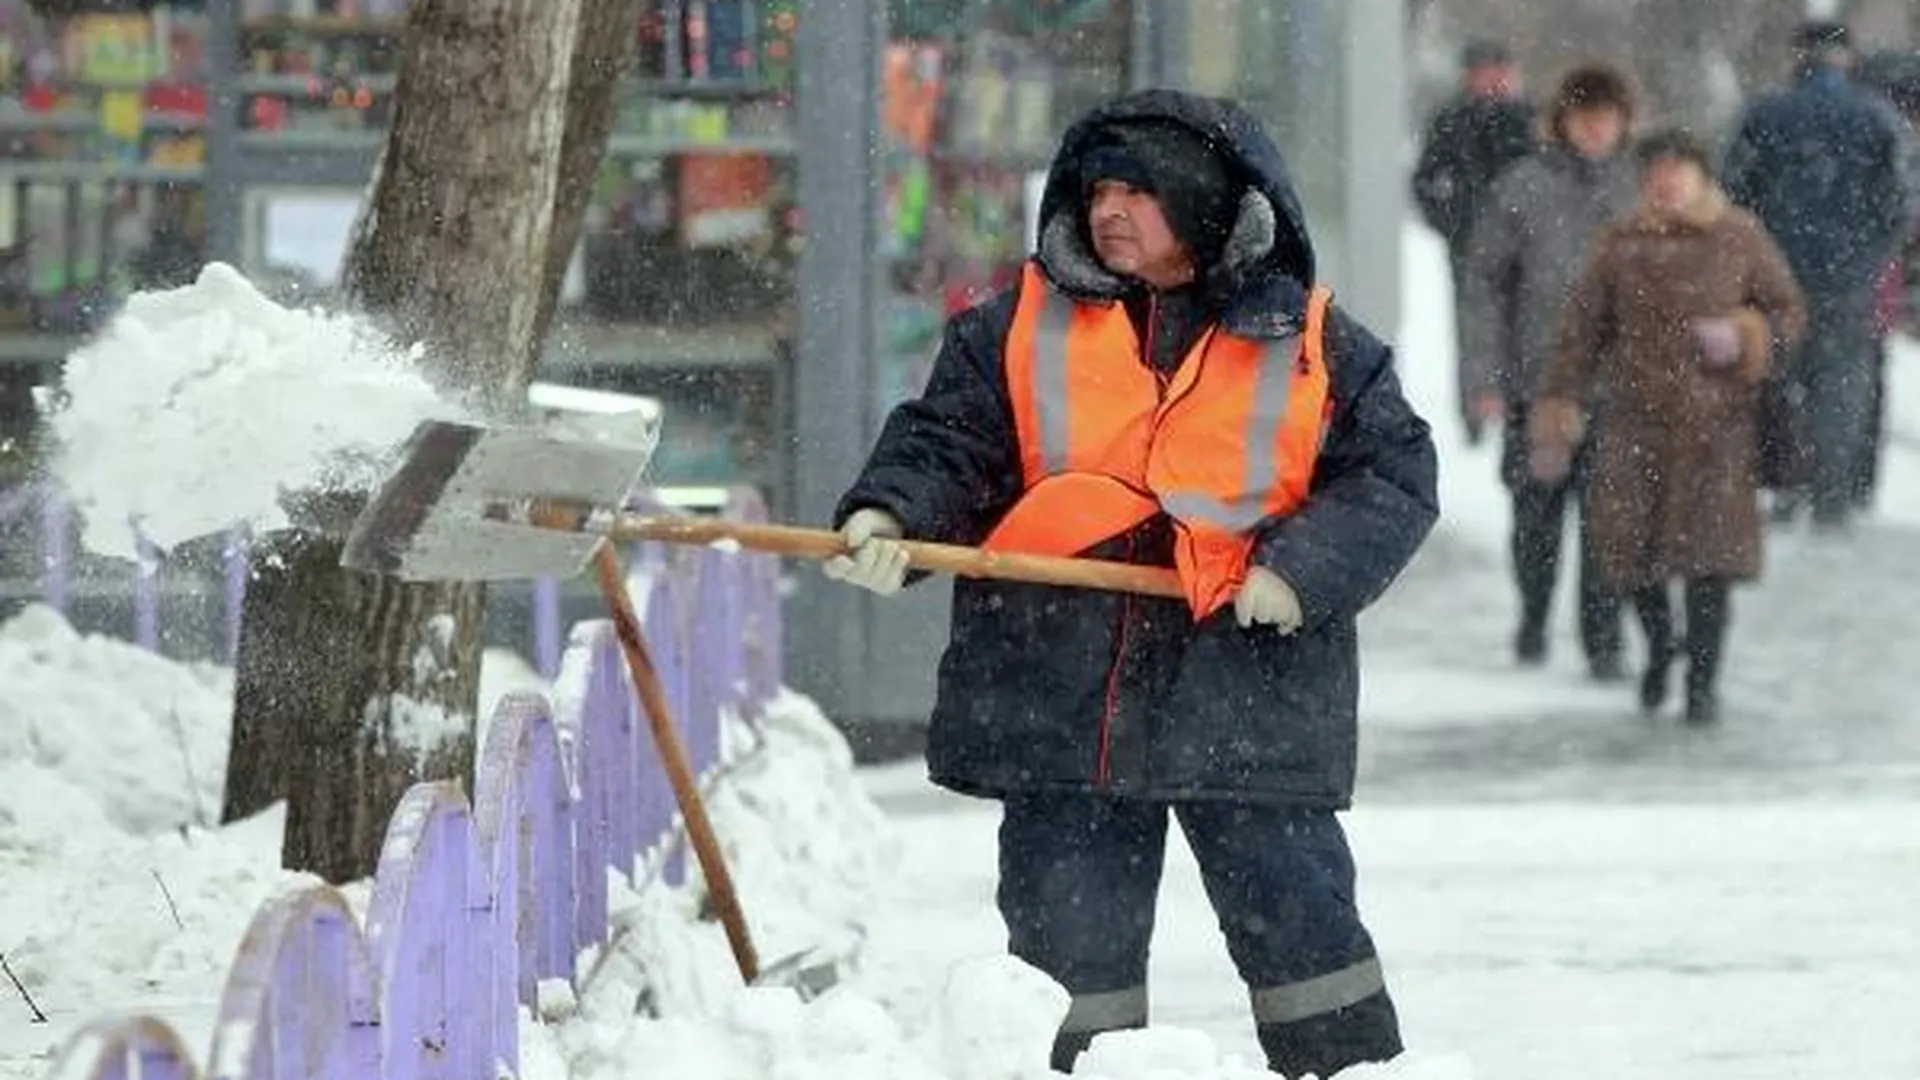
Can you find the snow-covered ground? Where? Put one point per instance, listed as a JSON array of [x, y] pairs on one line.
[[1558, 886]]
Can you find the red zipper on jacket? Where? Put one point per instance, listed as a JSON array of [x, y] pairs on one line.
[[1103, 770]]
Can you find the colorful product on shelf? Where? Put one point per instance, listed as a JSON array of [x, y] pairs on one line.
[[725, 199], [116, 51], [315, 73], [701, 42]]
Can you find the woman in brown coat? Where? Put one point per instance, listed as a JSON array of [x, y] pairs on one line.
[[1665, 342]]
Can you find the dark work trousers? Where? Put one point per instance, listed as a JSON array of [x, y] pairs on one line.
[[1079, 875], [1708, 611], [1539, 527], [1834, 373]]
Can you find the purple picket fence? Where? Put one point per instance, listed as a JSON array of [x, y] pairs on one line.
[[126, 1048], [56, 563], [57, 569], [474, 903]]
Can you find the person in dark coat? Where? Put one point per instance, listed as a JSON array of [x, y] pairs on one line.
[[1469, 142], [1091, 715], [1893, 77], [1819, 164], [1528, 249]]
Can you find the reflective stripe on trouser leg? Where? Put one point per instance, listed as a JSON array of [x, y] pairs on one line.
[[1092, 1015], [1336, 990], [1108, 1011]]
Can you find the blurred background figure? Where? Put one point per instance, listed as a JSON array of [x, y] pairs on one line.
[[1672, 328], [1819, 163], [1526, 250], [1468, 143], [1894, 76]]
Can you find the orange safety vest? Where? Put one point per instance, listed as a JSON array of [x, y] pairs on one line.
[[1233, 441]]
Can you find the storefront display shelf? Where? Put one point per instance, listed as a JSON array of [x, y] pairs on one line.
[[367, 141], [73, 170], [295, 85], [581, 344], [350, 25]]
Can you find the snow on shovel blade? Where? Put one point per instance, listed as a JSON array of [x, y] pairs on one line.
[[427, 523]]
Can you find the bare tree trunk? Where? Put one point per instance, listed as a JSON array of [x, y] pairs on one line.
[[453, 248], [601, 57], [350, 687]]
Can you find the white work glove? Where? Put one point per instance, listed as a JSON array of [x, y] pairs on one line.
[[1266, 600], [876, 560]]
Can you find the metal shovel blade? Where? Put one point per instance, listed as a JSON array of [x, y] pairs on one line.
[[427, 521]]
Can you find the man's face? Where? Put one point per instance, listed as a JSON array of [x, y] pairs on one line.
[[1595, 131], [1493, 81], [1132, 237]]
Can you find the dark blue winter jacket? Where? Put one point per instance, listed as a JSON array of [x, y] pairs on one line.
[[1819, 165], [1040, 684]]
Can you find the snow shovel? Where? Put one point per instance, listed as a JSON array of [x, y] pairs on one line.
[[470, 503], [477, 504]]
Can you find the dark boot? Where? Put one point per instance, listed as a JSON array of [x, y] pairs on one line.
[[1599, 611], [1656, 619], [1530, 644], [1606, 668], [1707, 611], [1539, 516], [1322, 1046]]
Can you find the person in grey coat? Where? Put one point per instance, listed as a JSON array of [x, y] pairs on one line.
[[1529, 246]]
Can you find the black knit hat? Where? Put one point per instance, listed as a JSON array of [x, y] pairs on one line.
[[1195, 186], [1485, 52], [1676, 143]]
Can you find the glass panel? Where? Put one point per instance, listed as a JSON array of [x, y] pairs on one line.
[[974, 97], [1286, 62]]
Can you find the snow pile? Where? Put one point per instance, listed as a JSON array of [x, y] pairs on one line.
[[197, 408], [115, 894], [806, 847], [994, 1020], [95, 728], [998, 1026], [105, 921], [809, 844]]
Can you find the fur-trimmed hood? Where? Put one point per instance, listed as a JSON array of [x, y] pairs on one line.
[[1260, 282]]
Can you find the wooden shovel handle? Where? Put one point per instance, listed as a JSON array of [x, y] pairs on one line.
[[953, 559], [673, 759]]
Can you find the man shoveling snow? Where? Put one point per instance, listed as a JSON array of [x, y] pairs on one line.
[[1167, 387]]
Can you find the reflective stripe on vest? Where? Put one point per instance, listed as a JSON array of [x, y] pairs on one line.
[[1233, 441]]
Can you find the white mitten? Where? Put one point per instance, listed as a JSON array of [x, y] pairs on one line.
[[1719, 342], [875, 559], [1266, 600]]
